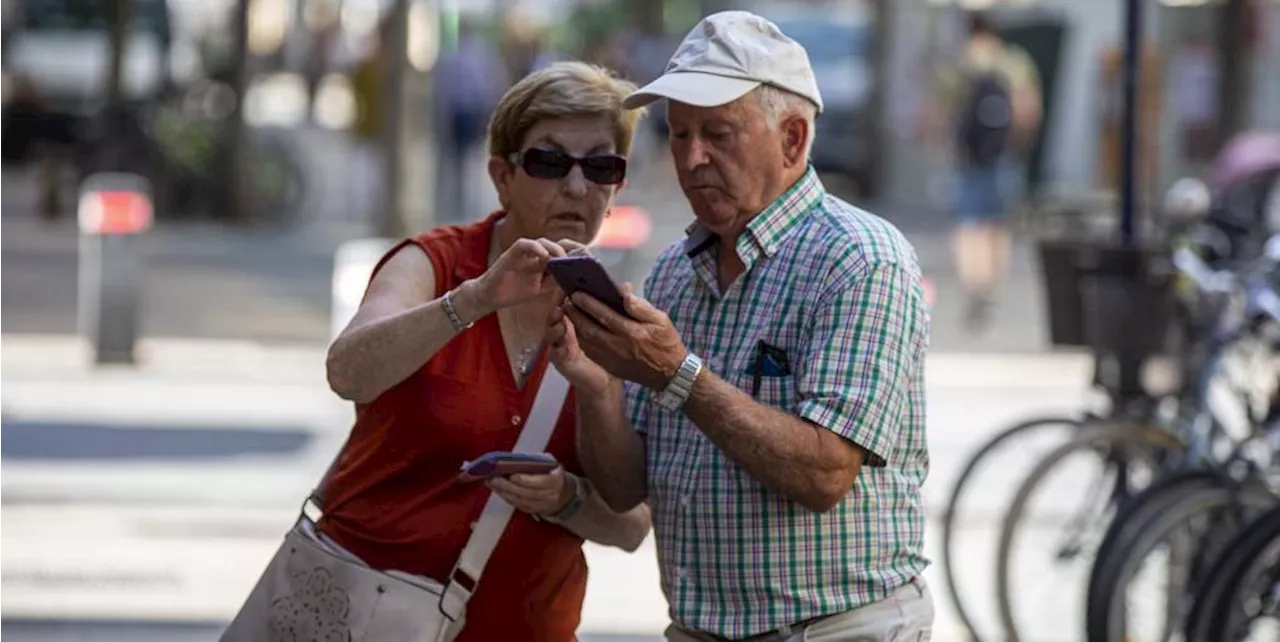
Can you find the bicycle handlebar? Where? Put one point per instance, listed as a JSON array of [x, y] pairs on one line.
[[1204, 277], [1260, 295]]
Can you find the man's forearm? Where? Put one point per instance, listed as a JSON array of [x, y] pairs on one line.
[[786, 453], [611, 452], [596, 522]]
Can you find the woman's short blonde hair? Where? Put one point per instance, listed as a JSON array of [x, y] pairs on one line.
[[562, 90]]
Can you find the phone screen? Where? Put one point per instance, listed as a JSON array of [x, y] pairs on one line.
[[586, 274]]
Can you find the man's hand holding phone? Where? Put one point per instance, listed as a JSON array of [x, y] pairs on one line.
[[639, 345]]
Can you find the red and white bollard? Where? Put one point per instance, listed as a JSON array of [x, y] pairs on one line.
[[114, 211]]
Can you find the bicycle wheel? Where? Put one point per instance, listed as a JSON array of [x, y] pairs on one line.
[[1239, 590], [1128, 522], [1184, 536], [952, 524], [1128, 457]]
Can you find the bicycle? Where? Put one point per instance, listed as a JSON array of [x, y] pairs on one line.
[[1242, 587], [1192, 514], [1069, 219], [1134, 452], [1058, 429], [1123, 406]]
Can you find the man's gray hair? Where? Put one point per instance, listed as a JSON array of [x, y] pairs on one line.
[[776, 102]]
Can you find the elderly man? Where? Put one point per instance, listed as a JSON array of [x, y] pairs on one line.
[[773, 405]]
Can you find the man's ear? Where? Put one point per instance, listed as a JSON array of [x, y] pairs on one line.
[[795, 135]]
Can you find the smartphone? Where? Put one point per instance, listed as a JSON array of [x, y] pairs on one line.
[[501, 463], [586, 274]]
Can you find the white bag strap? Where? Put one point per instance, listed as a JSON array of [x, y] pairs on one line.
[[552, 378], [537, 430]]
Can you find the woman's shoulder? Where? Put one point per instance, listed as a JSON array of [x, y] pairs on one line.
[[457, 246], [451, 236]]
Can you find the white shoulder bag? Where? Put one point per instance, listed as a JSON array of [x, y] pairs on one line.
[[315, 590]]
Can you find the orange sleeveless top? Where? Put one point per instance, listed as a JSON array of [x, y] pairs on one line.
[[393, 499]]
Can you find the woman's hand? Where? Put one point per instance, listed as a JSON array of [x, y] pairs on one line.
[[539, 495], [573, 247], [567, 356], [520, 274]]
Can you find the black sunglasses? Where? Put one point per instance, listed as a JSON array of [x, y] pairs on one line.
[[606, 169]]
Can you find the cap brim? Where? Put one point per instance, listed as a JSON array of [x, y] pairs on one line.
[[693, 88]]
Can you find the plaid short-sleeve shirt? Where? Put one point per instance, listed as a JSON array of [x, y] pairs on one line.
[[833, 296]]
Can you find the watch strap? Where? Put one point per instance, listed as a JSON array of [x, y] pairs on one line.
[[575, 503], [681, 385]]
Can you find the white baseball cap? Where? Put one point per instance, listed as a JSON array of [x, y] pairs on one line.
[[727, 55]]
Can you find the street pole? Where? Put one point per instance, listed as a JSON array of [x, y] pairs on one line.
[[118, 34], [708, 7], [425, 199], [881, 45], [8, 22], [1232, 69], [113, 210], [235, 200], [393, 222], [1129, 122], [109, 120], [649, 16]]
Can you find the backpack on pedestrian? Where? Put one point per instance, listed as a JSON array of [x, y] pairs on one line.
[[986, 117]]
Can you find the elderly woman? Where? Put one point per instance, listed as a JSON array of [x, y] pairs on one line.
[[444, 358]]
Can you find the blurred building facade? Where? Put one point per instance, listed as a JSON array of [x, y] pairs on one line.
[[1180, 84], [872, 56]]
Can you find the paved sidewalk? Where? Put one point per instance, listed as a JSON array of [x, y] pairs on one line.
[[255, 424], [205, 450]]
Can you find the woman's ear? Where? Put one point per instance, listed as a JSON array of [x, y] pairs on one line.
[[501, 173]]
